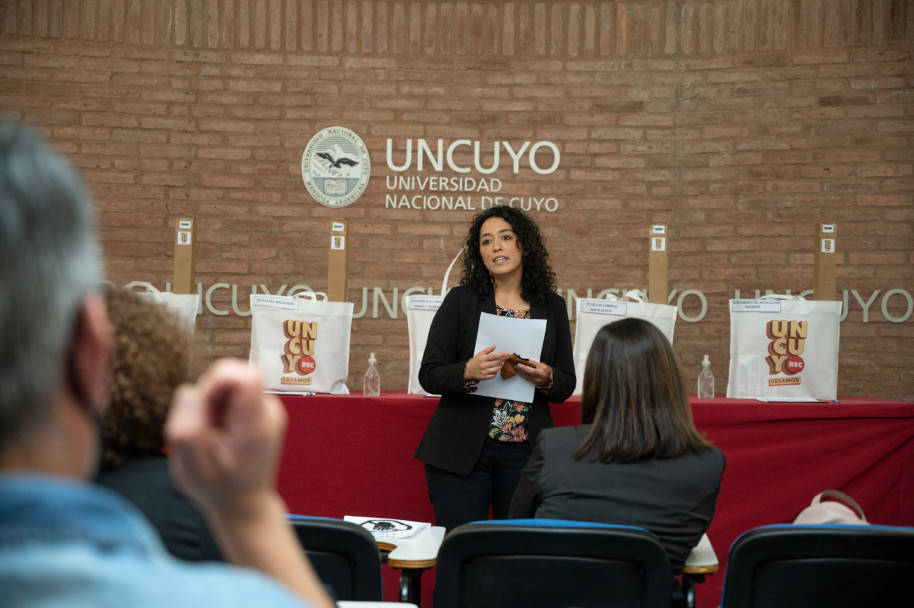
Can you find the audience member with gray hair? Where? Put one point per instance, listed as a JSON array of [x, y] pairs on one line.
[[64, 541]]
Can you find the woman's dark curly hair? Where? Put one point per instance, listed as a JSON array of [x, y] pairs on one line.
[[538, 279], [152, 356]]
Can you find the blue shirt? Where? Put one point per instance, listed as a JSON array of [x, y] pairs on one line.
[[74, 545]]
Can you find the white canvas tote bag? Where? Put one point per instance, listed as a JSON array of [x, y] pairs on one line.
[[301, 343], [591, 314], [420, 311], [784, 348], [185, 305]]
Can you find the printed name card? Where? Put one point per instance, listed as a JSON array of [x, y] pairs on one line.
[[604, 307], [755, 306], [425, 302], [284, 302]]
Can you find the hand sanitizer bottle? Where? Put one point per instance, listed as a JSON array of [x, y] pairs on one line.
[[372, 383], [705, 380]]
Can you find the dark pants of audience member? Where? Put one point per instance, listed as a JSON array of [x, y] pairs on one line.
[[459, 499]]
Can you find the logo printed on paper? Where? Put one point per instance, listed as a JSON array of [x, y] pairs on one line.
[[299, 348], [788, 341], [335, 167], [385, 525]]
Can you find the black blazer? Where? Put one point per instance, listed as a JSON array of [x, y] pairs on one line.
[[674, 498], [457, 430], [147, 483]]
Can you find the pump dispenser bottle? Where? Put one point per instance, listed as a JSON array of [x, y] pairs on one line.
[[705, 380], [372, 386]]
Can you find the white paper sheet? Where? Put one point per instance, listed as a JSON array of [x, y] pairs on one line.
[[521, 336]]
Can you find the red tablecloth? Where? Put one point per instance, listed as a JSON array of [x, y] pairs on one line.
[[353, 455]]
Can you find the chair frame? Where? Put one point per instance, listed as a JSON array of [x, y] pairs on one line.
[[517, 544], [327, 542], [814, 566]]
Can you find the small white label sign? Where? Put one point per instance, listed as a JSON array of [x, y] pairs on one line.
[[604, 307], [755, 306]]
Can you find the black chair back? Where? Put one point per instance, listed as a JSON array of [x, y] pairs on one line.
[[550, 563], [345, 556], [820, 566]]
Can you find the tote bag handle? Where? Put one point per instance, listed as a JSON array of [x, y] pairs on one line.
[[448, 271]]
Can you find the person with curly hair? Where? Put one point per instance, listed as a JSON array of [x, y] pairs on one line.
[[475, 447], [63, 540], [152, 357]]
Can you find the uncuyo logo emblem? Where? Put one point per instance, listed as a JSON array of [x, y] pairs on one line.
[[788, 341], [297, 357], [335, 167]]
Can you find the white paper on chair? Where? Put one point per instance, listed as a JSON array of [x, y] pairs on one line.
[[524, 337], [382, 527]]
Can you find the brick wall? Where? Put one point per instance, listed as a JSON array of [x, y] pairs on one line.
[[740, 124]]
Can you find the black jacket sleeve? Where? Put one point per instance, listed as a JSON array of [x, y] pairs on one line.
[[562, 362], [527, 495]]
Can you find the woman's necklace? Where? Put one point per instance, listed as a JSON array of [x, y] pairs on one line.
[[516, 302], [509, 296]]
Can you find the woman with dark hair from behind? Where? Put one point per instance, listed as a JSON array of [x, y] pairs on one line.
[[637, 459], [152, 357]]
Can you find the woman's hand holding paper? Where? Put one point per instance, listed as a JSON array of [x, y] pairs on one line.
[[485, 364], [535, 372]]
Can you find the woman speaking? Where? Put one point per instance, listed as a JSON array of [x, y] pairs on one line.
[[475, 447]]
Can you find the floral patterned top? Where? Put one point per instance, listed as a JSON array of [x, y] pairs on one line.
[[509, 418]]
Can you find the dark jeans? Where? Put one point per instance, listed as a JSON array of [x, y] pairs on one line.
[[459, 499]]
